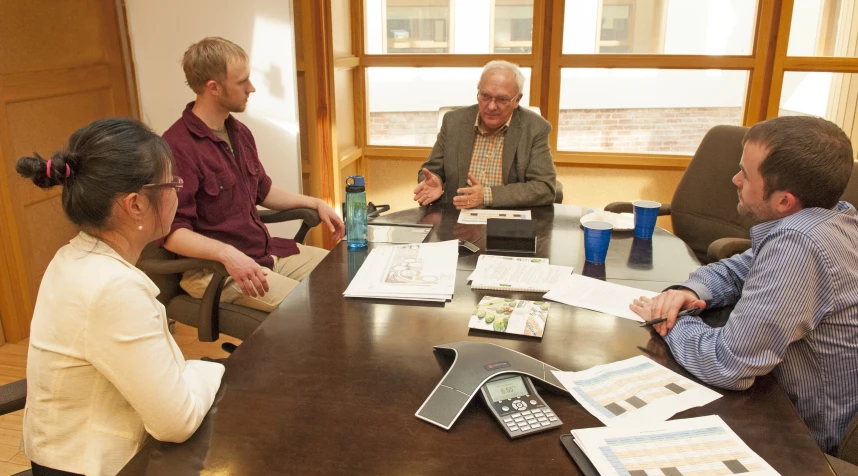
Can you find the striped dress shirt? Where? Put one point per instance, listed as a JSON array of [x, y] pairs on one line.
[[796, 315], [487, 159]]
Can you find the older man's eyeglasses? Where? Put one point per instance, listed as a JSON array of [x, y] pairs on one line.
[[176, 183], [485, 97]]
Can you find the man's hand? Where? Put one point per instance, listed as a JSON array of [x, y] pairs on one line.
[[329, 217], [469, 197], [667, 304], [248, 275], [429, 190]]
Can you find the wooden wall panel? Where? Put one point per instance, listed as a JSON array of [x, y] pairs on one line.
[[344, 91], [341, 17]]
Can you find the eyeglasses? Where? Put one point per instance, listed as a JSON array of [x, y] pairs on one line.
[[487, 98], [177, 183]]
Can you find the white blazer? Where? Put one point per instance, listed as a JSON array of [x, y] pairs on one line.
[[103, 369]]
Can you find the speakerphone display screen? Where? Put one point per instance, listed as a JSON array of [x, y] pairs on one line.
[[504, 389]]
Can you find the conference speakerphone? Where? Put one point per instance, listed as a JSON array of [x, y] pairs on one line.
[[485, 368], [515, 404]]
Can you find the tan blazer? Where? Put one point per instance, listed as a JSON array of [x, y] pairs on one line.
[[103, 371], [528, 170]]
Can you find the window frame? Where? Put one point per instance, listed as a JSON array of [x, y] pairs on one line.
[[766, 65]]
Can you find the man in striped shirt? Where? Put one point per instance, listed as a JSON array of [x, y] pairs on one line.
[[795, 291], [492, 154]]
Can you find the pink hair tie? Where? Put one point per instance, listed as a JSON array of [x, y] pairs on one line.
[[48, 169]]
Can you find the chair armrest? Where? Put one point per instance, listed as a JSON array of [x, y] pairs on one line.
[[13, 396], [726, 247], [627, 207], [207, 319], [307, 215], [175, 266]]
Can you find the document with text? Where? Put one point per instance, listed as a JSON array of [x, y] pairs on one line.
[[702, 445], [597, 295], [636, 390], [515, 275], [417, 272]]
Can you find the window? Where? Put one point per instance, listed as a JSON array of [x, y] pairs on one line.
[[829, 95], [406, 104], [513, 26], [646, 110], [417, 26], [687, 27], [823, 28], [448, 26]]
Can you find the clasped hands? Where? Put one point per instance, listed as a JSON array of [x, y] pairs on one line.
[[667, 304], [431, 188]]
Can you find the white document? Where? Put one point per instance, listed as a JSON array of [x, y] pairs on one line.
[[513, 275], [478, 216], [703, 445], [481, 265], [597, 295], [419, 272], [634, 391]]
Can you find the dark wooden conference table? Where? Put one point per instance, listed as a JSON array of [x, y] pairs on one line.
[[329, 385]]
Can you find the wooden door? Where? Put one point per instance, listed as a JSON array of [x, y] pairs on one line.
[[61, 67]]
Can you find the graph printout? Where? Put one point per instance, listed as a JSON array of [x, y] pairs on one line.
[[688, 447], [635, 390]]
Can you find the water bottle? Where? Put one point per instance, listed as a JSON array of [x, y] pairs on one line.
[[356, 212]]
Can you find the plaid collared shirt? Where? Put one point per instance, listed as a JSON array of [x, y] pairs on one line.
[[487, 161]]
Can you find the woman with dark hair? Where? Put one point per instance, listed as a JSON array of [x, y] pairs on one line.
[[103, 370]]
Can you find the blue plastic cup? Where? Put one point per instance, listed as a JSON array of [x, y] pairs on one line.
[[597, 237], [646, 212]]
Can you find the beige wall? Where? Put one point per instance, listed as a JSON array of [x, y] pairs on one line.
[[161, 31], [392, 182]]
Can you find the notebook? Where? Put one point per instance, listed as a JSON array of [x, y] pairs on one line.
[[513, 316], [509, 275]]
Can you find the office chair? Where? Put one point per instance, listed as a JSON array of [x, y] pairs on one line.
[[703, 207], [727, 247], [209, 315]]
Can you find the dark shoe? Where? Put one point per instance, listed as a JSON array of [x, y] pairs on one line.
[[228, 347], [209, 359]]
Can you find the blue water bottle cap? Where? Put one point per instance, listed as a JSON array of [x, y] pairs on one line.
[[356, 181]]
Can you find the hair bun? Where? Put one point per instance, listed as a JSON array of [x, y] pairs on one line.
[[36, 169]]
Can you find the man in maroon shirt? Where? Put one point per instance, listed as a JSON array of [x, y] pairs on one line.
[[224, 181]]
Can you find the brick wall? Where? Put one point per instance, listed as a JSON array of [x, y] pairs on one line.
[[664, 130]]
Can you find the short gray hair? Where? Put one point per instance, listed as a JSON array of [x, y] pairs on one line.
[[506, 66]]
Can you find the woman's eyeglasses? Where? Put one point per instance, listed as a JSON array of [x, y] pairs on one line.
[[177, 183]]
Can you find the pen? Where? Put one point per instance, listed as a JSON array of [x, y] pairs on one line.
[[684, 313]]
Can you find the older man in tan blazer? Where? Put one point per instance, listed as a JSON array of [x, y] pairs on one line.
[[492, 154]]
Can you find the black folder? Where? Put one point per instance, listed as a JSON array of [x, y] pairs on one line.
[[578, 456]]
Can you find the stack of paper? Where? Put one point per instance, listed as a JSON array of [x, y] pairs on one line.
[[416, 272], [703, 445], [520, 274], [597, 295], [635, 391]]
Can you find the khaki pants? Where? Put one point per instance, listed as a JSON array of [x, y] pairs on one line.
[[287, 273]]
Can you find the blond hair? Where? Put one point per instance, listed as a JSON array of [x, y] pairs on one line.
[[207, 60]]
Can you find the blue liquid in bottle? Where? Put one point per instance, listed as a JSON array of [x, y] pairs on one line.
[[356, 222]]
